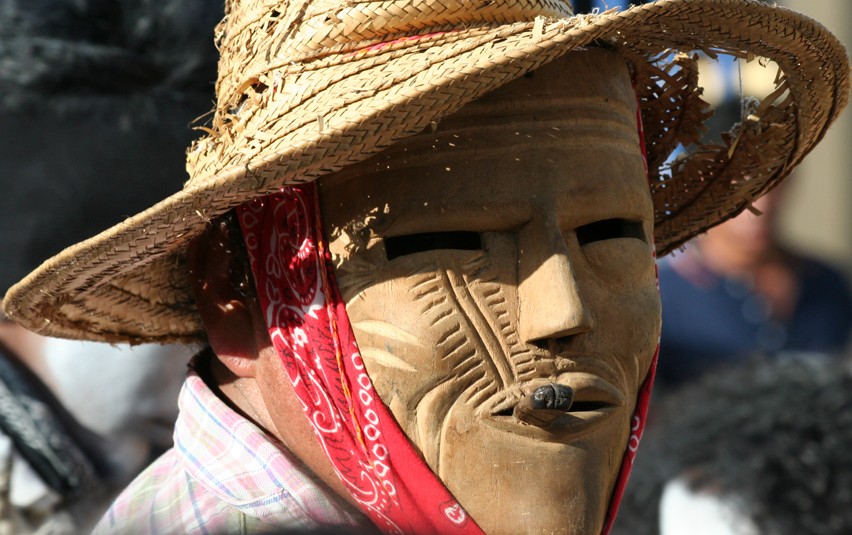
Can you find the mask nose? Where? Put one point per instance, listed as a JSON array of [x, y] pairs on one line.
[[551, 302]]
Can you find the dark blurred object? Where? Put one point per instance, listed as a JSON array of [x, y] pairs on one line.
[[40, 428], [768, 441], [56, 460], [96, 98]]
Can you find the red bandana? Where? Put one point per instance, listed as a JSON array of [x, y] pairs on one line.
[[310, 329]]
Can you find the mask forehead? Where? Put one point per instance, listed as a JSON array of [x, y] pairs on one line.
[[454, 335], [569, 127]]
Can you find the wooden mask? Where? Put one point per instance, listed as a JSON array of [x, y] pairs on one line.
[[498, 271]]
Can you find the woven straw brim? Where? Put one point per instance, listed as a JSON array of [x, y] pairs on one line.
[[281, 124]]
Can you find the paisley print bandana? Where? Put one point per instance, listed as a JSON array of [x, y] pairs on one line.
[[310, 329]]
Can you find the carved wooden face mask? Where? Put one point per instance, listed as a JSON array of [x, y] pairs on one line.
[[499, 276]]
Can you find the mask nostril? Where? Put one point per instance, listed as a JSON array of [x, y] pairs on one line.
[[550, 344]]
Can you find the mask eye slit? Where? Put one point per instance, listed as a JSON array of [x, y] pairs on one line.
[[431, 241], [609, 229]]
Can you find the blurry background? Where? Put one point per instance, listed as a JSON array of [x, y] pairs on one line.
[[817, 219], [97, 98]]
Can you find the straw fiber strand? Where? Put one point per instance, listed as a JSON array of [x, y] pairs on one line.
[[306, 88]]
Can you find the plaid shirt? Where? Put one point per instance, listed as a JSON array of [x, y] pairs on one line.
[[223, 475]]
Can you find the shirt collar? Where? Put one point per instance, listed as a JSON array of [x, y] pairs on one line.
[[239, 462]]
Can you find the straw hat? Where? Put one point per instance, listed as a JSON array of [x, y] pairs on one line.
[[306, 88]]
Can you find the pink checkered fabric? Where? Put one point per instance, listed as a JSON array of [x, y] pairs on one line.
[[224, 475]]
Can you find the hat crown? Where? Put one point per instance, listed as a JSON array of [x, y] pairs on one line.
[[260, 35], [311, 89]]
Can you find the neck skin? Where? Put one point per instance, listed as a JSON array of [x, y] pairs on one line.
[[247, 372]]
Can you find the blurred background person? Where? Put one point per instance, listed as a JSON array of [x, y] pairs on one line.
[[96, 99], [736, 291], [760, 448]]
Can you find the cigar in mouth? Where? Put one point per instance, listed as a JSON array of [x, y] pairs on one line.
[[546, 404]]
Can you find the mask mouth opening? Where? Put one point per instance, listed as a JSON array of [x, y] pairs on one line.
[[588, 406], [580, 406], [548, 403]]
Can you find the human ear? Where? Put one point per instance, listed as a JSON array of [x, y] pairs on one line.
[[224, 293]]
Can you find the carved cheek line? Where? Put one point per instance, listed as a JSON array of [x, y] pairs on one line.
[[433, 411], [493, 356], [457, 344], [446, 322]]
